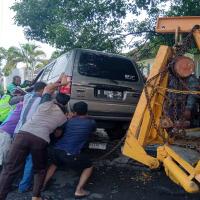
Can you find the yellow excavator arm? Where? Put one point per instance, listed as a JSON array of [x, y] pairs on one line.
[[181, 165]]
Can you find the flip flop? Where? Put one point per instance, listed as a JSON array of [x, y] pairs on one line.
[[81, 196]]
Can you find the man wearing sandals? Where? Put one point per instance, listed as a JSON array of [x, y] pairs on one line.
[[67, 151]]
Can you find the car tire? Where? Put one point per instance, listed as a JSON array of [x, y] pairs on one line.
[[115, 133]]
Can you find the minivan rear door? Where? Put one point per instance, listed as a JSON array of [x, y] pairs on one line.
[[63, 64], [105, 77]]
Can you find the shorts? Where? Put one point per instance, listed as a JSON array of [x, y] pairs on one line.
[[77, 162]]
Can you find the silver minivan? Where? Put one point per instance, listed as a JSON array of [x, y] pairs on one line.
[[110, 84]]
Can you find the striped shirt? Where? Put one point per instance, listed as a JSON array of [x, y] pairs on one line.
[[30, 105]]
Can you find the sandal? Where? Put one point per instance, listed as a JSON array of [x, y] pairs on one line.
[[82, 196]]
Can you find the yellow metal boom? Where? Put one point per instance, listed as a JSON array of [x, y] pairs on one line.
[[170, 24], [177, 162]]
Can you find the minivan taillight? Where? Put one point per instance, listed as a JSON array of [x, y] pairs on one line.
[[66, 89]]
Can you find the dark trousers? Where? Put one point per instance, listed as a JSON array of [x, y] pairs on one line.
[[23, 145], [77, 162]]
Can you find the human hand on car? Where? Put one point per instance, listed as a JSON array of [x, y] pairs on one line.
[[51, 87], [70, 115], [63, 80]]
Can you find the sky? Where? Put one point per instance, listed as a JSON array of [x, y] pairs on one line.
[[11, 34]]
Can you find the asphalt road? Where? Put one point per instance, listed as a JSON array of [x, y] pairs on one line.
[[116, 178]]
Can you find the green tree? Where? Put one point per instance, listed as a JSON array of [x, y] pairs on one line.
[[185, 8], [33, 57], [3, 55], [11, 57], [55, 54], [175, 8], [29, 54], [67, 24], [98, 24]]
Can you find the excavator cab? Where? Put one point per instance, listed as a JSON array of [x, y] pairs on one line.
[[162, 115]]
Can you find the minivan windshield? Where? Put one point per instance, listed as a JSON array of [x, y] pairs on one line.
[[107, 67]]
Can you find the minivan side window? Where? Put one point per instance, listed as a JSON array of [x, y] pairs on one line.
[[60, 66], [107, 67], [47, 70]]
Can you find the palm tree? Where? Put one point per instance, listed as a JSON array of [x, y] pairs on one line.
[[3, 53], [33, 57], [55, 54], [11, 57], [29, 54]]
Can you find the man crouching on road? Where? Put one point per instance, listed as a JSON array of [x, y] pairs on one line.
[[33, 139], [67, 151]]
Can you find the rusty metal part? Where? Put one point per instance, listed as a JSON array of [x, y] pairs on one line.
[[179, 51], [166, 122], [184, 66], [177, 35]]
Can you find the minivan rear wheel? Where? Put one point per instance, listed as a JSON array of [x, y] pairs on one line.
[[115, 133]]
